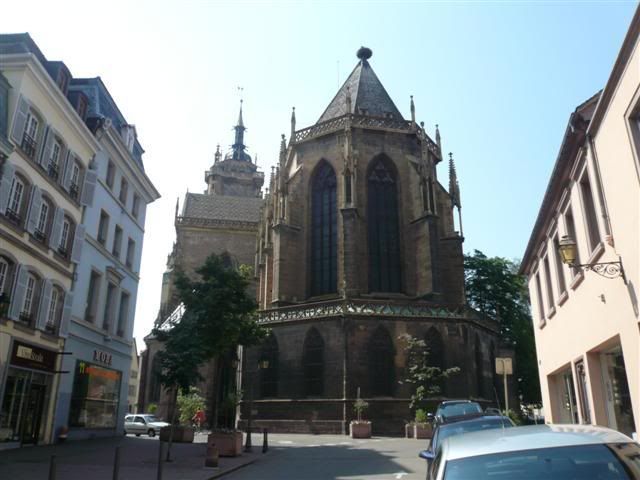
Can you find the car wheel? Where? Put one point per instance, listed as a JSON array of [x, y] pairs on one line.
[[137, 434], [152, 432]]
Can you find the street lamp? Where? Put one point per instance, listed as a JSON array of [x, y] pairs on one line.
[[264, 365], [568, 250]]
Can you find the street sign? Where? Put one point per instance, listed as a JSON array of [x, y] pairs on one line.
[[504, 366]]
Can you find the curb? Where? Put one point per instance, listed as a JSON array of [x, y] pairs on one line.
[[233, 469]]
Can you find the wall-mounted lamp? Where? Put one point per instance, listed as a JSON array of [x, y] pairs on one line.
[[569, 251]]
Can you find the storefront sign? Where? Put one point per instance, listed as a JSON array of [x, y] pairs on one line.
[[102, 357], [30, 356]]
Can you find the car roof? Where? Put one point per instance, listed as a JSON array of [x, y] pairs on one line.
[[527, 438], [452, 402], [473, 418]]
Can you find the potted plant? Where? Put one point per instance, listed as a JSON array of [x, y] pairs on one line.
[[422, 427], [360, 428], [227, 439]]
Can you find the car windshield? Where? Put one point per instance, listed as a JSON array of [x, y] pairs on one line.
[[151, 418], [475, 426], [455, 409], [560, 463]]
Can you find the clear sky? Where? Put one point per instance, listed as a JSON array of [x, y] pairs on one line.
[[501, 79]]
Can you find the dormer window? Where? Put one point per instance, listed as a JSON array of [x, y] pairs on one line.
[[63, 80]]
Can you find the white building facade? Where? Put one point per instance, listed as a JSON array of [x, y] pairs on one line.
[[587, 318]]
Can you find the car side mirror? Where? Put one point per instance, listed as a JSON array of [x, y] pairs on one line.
[[427, 455]]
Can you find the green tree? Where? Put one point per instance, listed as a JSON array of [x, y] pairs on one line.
[[189, 404], [219, 315], [495, 289], [426, 379]]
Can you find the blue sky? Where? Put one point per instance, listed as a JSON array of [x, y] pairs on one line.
[[501, 79]]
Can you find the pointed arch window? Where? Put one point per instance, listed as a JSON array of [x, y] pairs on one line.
[[435, 354], [154, 384], [269, 367], [313, 363], [381, 363], [324, 238], [384, 236]]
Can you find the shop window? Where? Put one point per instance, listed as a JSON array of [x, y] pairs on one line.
[[95, 396], [583, 392]]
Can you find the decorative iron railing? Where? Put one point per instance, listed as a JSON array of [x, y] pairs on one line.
[[13, 217], [29, 146], [74, 190], [53, 171], [362, 121], [368, 308]]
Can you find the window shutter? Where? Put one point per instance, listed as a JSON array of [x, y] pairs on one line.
[[66, 314], [88, 190], [19, 290], [45, 300], [45, 155], [61, 163], [78, 242], [66, 181], [34, 210], [8, 171], [20, 120], [56, 228]]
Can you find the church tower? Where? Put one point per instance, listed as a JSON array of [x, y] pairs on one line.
[[358, 245]]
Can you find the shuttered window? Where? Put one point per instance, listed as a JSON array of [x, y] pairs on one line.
[[52, 316], [324, 236], [27, 306], [15, 197], [382, 220], [4, 275]]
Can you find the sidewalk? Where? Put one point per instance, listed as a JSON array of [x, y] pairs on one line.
[[94, 459]]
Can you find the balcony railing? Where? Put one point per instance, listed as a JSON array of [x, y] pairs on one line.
[[39, 235], [29, 146], [74, 190], [53, 171], [63, 252], [13, 217], [51, 328], [26, 318]]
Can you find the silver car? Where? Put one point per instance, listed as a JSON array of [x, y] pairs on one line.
[[143, 423], [549, 452]]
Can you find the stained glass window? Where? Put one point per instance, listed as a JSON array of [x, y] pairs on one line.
[[313, 361], [381, 364], [324, 236], [384, 237], [268, 366]]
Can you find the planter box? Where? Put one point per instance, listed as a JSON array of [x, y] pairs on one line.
[[180, 434], [423, 430], [229, 444], [360, 429], [409, 430]]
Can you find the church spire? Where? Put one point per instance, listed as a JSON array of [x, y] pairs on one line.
[[454, 187]]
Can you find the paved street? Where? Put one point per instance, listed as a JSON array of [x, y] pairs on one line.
[[290, 457], [328, 457]]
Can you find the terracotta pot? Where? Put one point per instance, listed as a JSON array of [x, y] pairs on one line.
[[229, 444], [409, 430], [423, 430], [360, 429]]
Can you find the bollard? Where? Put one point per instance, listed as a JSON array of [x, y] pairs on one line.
[[116, 464], [265, 440], [211, 460], [52, 468], [159, 476], [247, 446]]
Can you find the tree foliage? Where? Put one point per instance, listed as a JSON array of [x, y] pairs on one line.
[[189, 404], [219, 315], [420, 372], [495, 289]]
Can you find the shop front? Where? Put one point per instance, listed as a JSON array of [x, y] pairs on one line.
[[27, 394]]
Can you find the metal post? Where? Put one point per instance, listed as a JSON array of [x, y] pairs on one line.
[[159, 476], [52, 468], [247, 446], [265, 440], [506, 395], [116, 464]]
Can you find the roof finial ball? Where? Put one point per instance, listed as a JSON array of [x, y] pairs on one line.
[[364, 53]]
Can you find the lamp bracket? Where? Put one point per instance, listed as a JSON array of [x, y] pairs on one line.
[[606, 269]]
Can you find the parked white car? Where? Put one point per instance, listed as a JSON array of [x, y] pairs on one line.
[[143, 423], [549, 452]]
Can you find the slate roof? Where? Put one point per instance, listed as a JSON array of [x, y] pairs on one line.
[[368, 96], [222, 207]]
